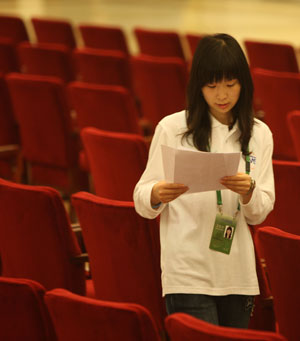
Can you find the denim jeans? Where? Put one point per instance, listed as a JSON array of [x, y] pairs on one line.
[[229, 311]]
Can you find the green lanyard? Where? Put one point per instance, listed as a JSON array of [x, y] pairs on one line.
[[219, 195]]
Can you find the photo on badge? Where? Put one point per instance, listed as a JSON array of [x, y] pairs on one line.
[[228, 232]]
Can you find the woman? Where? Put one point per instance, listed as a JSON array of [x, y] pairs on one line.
[[210, 280]]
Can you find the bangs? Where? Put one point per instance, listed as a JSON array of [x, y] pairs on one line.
[[218, 67]]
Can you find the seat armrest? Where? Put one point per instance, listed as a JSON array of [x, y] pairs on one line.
[[78, 233], [9, 150], [81, 259]]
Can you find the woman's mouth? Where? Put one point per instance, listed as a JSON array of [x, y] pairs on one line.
[[223, 106]]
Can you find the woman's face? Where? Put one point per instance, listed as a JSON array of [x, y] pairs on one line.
[[221, 97]]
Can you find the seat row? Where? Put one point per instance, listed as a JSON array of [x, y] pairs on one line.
[[41, 113], [285, 213], [106, 37], [28, 312], [47, 113], [158, 84], [38, 243], [86, 64], [48, 146], [110, 182], [269, 55]]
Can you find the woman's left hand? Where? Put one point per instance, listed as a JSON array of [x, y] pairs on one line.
[[239, 183]]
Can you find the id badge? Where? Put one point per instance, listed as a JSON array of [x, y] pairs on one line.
[[223, 233]]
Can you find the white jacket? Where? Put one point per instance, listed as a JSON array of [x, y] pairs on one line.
[[186, 223]]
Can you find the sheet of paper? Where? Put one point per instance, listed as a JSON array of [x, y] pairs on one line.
[[200, 171]]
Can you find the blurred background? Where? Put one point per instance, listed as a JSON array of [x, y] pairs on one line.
[[275, 20]]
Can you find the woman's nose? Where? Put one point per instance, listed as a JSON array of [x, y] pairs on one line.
[[222, 93]]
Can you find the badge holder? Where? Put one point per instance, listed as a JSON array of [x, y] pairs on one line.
[[225, 226], [223, 231]]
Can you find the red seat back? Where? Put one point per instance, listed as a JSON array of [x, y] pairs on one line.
[[281, 252], [287, 181], [13, 28], [41, 110], [193, 40], [159, 43], [105, 107], [49, 144], [36, 239], [80, 318], [160, 85], [106, 67], [104, 37], [117, 161], [46, 60], [185, 327], [124, 252], [54, 31], [271, 56], [277, 94], [24, 315]]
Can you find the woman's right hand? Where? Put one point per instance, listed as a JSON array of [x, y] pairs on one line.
[[165, 192]]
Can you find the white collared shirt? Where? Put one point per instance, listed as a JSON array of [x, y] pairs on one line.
[[186, 223]]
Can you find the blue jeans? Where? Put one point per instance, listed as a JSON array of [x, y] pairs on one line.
[[229, 311]]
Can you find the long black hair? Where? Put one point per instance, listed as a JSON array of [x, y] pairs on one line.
[[218, 57]]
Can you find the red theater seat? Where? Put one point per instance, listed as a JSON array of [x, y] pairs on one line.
[[106, 67], [271, 56], [287, 183], [80, 318], [36, 238], [106, 107], [281, 252], [193, 40], [46, 60], [188, 328], [104, 37], [13, 28], [117, 161], [24, 315], [160, 85], [159, 43], [49, 144], [55, 31], [277, 93], [124, 252]]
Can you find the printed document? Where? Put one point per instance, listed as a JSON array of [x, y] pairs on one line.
[[200, 171]]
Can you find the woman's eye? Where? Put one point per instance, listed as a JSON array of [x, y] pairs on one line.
[[211, 86], [231, 85]]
